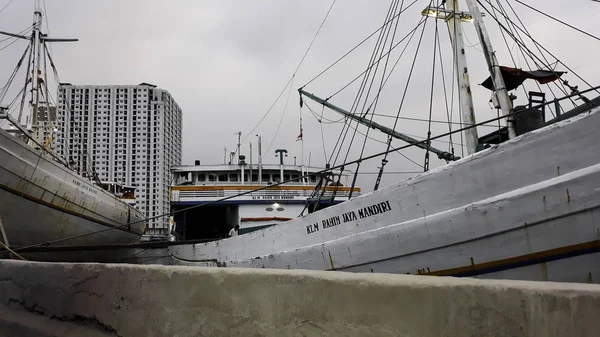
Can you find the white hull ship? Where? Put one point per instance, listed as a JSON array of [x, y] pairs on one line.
[[523, 209], [43, 202], [505, 212]]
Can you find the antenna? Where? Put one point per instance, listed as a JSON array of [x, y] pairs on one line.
[[239, 143]]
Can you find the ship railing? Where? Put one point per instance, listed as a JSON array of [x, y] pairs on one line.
[[261, 194]]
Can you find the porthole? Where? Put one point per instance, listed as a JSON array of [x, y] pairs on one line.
[[269, 209], [280, 209]]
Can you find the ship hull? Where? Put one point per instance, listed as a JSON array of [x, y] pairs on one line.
[[43, 201], [526, 209]]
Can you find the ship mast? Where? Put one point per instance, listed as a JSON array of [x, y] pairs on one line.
[[37, 43], [36, 75], [454, 18], [500, 92]]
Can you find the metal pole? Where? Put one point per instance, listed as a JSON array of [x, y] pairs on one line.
[[242, 173], [494, 68], [259, 161], [281, 153], [250, 178], [462, 76]]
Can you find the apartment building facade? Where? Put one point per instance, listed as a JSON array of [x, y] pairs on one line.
[[128, 134]]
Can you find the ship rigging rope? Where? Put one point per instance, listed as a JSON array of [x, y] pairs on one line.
[[345, 128], [537, 44], [435, 40], [27, 80], [322, 135], [379, 154], [294, 74], [523, 51], [455, 74], [282, 115], [560, 87], [8, 3], [14, 74], [557, 20], [358, 45], [409, 35], [448, 113], [389, 140], [379, 49]]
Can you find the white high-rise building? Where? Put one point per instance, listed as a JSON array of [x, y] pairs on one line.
[[128, 134]]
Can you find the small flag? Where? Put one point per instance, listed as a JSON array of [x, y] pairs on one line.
[[299, 137]]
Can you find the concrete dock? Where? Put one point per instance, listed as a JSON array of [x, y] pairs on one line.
[[55, 299]]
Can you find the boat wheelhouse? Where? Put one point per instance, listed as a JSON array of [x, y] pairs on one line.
[[206, 186]]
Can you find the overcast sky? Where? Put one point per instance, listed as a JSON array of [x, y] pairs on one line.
[[225, 62]]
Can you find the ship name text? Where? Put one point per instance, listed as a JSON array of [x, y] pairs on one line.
[[361, 213], [84, 187]]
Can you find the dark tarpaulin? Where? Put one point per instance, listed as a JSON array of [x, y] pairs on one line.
[[514, 77]]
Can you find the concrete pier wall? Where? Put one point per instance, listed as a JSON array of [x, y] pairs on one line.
[[45, 299]]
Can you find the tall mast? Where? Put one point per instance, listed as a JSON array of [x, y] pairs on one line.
[[36, 76], [462, 76], [454, 17], [494, 68]]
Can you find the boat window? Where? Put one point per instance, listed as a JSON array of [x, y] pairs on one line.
[[255, 177], [269, 209], [266, 177], [295, 177], [286, 177], [201, 177], [233, 177], [212, 177], [280, 209], [222, 177], [313, 179]]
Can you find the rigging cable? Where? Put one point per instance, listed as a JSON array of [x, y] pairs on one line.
[[355, 47], [450, 148], [557, 20], [409, 36], [374, 105], [376, 98], [322, 135], [344, 132], [357, 98], [282, 115], [560, 87], [426, 164], [295, 71], [544, 65], [3, 8], [543, 48], [412, 67]]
